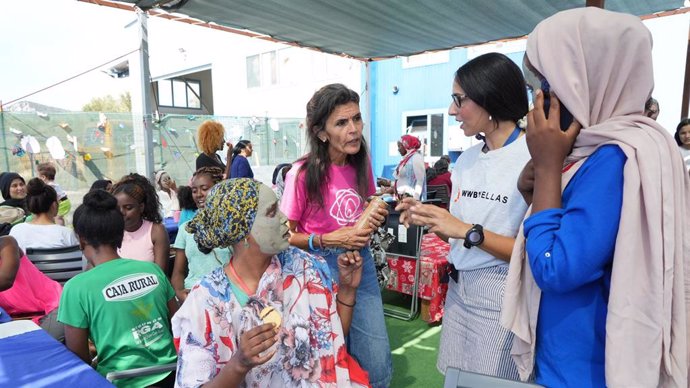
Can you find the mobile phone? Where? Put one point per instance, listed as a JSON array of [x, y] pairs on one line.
[[566, 117]]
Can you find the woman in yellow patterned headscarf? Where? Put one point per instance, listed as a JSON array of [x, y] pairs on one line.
[[273, 316], [228, 216]]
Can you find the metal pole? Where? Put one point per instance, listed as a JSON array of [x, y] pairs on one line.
[[4, 138], [268, 140], [145, 83]]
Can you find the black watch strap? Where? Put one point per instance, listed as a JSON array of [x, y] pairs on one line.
[[474, 236]]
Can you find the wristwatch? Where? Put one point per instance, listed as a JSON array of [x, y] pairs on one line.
[[474, 236]]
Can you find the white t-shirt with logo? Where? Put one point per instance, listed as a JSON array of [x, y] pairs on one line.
[[485, 192]]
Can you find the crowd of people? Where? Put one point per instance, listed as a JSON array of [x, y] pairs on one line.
[[568, 252]]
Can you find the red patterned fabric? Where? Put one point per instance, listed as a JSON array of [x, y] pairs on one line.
[[434, 259]]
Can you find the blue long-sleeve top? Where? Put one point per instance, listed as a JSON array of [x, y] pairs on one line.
[[570, 252], [240, 168]]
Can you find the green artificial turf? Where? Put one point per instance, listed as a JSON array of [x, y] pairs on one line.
[[414, 347]]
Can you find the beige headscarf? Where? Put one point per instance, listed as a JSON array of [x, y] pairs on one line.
[[599, 63]]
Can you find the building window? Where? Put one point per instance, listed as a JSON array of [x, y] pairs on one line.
[[179, 93], [262, 70], [429, 129]]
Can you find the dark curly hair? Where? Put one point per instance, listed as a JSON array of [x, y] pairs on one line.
[[215, 174], [39, 196], [184, 196], [317, 161], [141, 189], [98, 220]]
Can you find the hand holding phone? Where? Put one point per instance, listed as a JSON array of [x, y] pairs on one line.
[[566, 117]]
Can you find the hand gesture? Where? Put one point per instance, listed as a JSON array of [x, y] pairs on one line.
[[525, 182], [349, 238], [547, 144], [350, 268], [438, 220], [403, 207], [252, 343]]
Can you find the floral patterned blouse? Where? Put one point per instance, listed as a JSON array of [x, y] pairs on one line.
[[311, 350]]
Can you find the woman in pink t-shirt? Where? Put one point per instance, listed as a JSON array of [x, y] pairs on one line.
[[27, 292], [324, 196]]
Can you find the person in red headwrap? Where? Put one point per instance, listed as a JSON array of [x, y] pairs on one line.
[[410, 175]]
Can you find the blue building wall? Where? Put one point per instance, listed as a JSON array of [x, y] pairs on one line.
[[419, 88]]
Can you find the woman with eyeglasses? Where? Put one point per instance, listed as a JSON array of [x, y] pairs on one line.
[[486, 210]]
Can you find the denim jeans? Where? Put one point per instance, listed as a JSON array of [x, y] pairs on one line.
[[367, 341]]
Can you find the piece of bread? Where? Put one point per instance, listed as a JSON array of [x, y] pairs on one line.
[[270, 315]]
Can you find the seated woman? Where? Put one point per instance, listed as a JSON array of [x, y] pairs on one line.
[[26, 291], [273, 317], [42, 231], [13, 188], [167, 194], [123, 305], [190, 263], [145, 237]]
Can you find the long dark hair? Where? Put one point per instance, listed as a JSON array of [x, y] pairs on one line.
[[317, 161], [684, 122], [496, 84], [139, 188]]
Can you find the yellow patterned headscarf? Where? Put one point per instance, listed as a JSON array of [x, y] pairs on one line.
[[228, 216]]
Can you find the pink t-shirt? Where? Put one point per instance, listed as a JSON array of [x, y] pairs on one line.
[[341, 204], [32, 292]]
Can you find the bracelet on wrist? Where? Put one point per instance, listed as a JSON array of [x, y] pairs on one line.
[[345, 304], [320, 241], [311, 242]]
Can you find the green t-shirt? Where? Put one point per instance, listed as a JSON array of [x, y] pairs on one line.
[[124, 305], [199, 264]]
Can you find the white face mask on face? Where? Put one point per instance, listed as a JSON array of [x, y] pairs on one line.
[[270, 230]]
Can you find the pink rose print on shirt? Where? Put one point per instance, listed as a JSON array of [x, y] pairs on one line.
[[347, 207]]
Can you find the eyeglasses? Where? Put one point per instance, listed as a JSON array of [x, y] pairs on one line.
[[458, 99]]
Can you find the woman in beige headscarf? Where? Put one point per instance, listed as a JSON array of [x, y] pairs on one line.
[[608, 253]]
